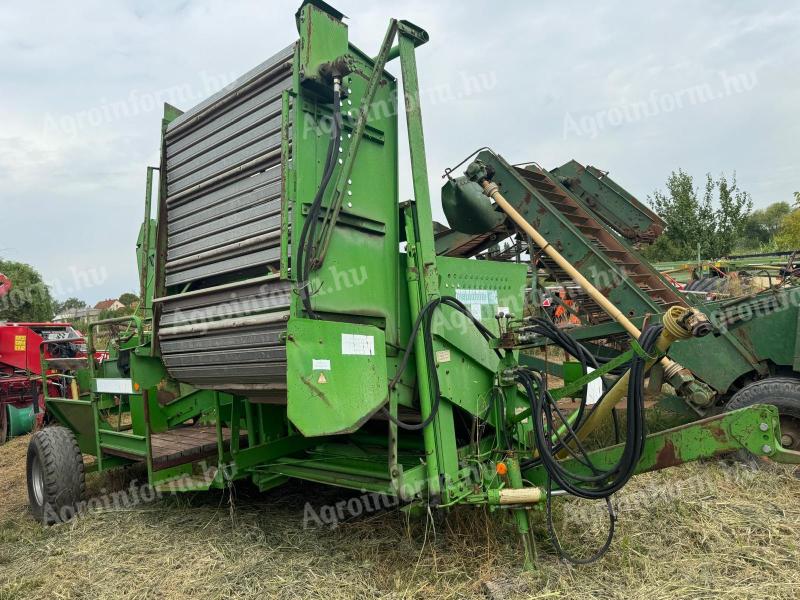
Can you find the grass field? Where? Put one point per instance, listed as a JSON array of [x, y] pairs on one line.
[[713, 530]]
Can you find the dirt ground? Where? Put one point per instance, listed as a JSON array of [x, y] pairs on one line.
[[713, 530]]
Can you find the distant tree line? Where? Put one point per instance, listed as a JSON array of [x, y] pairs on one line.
[[30, 298]]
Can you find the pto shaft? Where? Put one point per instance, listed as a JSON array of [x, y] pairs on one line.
[[490, 189]]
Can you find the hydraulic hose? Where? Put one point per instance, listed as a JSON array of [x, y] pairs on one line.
[[600, 484], [305, 246], [423, 322]]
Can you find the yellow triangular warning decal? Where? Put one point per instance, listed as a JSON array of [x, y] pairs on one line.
[[322, 378]]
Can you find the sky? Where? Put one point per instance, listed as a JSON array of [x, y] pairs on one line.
[[638, 89]]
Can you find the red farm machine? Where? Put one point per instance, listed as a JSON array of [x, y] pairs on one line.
[[22, 406]]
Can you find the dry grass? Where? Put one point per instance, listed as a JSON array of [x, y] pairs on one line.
[[699, 531]]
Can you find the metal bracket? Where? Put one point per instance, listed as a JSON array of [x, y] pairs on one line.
[[335, 204]]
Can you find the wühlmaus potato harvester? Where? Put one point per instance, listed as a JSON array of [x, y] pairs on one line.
[[297, 321]]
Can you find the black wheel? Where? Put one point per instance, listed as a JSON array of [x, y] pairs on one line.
[[781, 392], [4, 424], [56, 476]]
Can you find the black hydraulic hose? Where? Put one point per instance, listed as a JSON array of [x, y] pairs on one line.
[[526, 379], [600, 484], [571, 346], [612, 526], [423, 321], [305, 246]]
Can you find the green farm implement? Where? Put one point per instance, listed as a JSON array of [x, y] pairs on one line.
[[300, 321], [753, 353]]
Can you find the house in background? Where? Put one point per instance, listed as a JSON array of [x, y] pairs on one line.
[[109, 305], [86, 314]]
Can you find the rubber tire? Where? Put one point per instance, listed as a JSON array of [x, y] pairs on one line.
[[63, 475], [781, 392]]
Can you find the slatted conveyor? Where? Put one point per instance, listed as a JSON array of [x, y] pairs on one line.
[[224, 314]]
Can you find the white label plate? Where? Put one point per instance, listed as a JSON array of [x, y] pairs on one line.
[[359, 345], [113, 385], [477, 296], [442, 356]]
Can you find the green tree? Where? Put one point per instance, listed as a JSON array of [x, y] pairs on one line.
[[788, 237], [29, 298], [663, 249], [762, 224], [714, 221], [70, 304], [129, 298]]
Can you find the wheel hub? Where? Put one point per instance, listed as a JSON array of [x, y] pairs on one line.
[[790, 433], [37, 481]]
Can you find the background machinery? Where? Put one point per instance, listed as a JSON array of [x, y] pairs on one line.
[[298, 321], [22, 405]]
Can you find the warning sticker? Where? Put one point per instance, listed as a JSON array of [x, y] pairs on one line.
[[322, 378], [320, 364], [362, 345], [20, 343]]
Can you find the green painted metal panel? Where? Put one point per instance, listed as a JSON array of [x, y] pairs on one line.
[[465, 364], [756, 334], [145, 259], [78, 415], [323, 39], [336, 375], [355, 278], [128, 443], [485, 287]]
